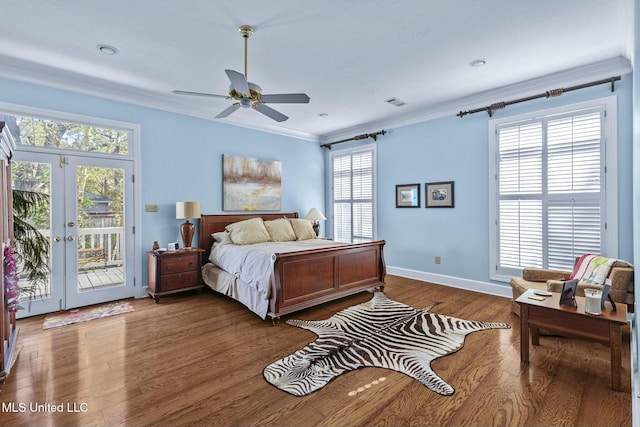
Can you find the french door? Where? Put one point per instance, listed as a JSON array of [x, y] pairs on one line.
[[88, 221]]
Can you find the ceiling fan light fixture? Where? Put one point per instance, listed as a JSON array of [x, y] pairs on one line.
[[249, 95]]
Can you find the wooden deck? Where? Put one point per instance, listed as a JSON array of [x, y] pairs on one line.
[[91, 277]]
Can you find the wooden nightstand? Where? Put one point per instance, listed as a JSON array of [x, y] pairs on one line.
[[172, 272]]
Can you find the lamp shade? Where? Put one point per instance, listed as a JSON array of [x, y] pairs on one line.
[[315, 215], [186, 210]]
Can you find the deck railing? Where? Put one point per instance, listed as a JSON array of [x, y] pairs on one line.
[[105, 243], [98, 248]]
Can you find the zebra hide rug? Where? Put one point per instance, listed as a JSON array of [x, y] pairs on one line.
[[379, 333]]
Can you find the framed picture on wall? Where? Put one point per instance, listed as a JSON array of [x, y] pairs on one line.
[[439, 194], [408, 196], [250, 184]]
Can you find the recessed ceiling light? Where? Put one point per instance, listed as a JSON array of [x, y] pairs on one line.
[[323, 115], [107, 50], [478, 62]]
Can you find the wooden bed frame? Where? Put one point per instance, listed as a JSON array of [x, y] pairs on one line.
[[310, 277]]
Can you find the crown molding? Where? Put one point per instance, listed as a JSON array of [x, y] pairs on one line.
[[570, 77], [56, 78], [26, 71]]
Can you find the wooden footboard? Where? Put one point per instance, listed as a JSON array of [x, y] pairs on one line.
[[308, 278]]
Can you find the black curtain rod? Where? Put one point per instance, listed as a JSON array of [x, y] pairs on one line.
[[548, 94], [356, 138]]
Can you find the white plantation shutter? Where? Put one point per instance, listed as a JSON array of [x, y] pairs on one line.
[[353, 201], [550, 190], [575, 177]]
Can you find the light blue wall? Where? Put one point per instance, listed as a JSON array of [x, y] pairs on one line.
[[181, 157], [456, 149]]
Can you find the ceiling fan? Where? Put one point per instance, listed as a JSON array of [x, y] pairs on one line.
[[249, 95]]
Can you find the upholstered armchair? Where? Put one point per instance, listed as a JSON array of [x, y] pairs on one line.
[[621, 276]]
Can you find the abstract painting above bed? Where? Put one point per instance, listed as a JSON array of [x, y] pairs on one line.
[[251, 184]]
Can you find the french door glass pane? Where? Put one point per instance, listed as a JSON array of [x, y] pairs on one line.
[[100, 213], [33, 177]]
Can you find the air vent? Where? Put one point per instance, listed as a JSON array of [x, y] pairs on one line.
[[395, 101]]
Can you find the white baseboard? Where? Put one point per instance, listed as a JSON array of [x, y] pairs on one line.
[[455, 282]]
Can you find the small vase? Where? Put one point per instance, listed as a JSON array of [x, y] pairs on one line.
[[156, 246]]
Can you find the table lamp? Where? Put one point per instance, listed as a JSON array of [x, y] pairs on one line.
[[315, 216], [186, 210]]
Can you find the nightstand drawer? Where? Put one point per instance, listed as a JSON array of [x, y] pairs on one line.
[[178, 264], [170, 282]]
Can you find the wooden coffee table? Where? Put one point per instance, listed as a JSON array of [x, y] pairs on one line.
[[549, 314]]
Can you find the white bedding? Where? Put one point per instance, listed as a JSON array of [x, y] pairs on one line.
[[249, 269]]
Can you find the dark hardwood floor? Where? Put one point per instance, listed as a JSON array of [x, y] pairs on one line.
[[197, 360]]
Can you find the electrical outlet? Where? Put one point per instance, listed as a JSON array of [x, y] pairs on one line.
[[151, 208], [438, 259]]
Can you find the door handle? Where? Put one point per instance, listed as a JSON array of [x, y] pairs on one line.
[[71, 224], [71, 238], [56, 239]]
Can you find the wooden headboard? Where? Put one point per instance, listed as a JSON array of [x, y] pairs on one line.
[[210, 224]]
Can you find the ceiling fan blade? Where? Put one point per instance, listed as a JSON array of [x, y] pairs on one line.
[[228, 111], [238, 82], [186, 92], [271, 113], [293, 98]]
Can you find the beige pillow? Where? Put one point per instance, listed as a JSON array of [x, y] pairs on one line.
[[280, 230], [303, 229], [248, 232]]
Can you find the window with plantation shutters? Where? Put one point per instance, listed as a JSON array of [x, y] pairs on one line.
[[352, 174], [549, 194]]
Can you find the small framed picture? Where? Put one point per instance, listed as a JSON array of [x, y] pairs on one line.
[[408, 196], [568, 295], [439, 194]]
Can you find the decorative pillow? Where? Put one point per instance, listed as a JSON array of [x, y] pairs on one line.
[[280, 230], [248, 232], [222, 238], [302, 228]]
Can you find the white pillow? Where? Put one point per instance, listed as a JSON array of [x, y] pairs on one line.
[[302, 228], [222, 238], [248, 232], [280, 230]]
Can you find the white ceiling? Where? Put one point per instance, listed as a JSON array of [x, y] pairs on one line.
[[348, 56]]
